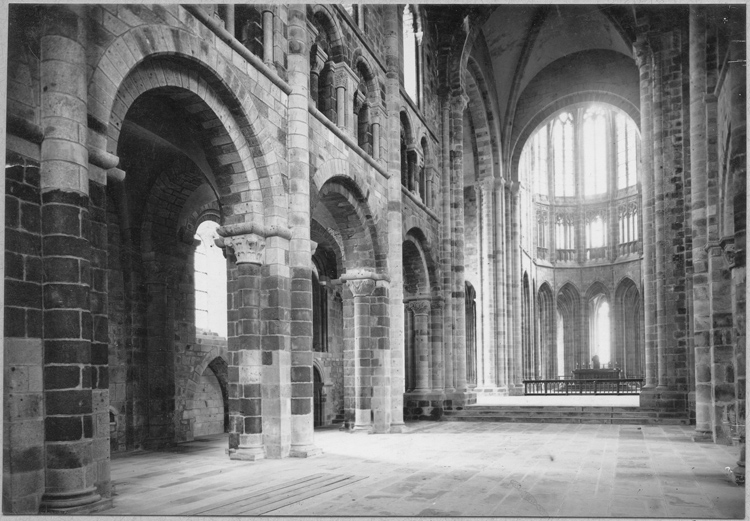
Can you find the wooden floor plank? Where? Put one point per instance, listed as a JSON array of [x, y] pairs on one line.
[[246, 495]]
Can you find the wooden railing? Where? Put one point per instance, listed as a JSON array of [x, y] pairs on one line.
[[575, 386]]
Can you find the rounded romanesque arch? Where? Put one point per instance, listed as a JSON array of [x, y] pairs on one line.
[[147, 58]]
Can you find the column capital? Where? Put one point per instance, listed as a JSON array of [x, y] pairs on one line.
[[247, 247], [419, 307], [361, 287], [344, 76]]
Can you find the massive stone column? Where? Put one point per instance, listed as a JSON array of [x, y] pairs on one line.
[[446, 253], [699, 185], [489, 283], [643, 57], [357, 355], [71, 476], [515, 295], [458, 105], [275, 315], [421, 310], [436, 340], [392, 153], [300, 249], [501, 338], [244, 343]]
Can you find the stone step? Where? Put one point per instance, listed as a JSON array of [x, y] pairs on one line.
[[566, 414], [568, 419]]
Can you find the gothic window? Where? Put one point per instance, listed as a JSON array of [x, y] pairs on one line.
[[626, 136], [599, 329], [565, 237], [411, 56], [210, 280], [563, 149], [596, 237], [628, 229], [595, 151]]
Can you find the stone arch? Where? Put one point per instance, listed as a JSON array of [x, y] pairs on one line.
[[324, 14], [476, 90], [328, 245], [147, 57], [628, 352], [349, 208], [547, 330], [569, 306], [540, 118], [424, 243], [215, 361], [339, 169], [597, 287], [416, 277]]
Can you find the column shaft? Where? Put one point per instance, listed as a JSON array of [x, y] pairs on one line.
[[68, 376], [298, 65]]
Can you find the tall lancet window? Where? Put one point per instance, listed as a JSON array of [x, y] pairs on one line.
[[411, 58], [595, 138], [564, 162], [626, 135]]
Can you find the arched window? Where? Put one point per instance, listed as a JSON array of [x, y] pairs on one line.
[[565, 243], [411, 57], [599, 329], [596, 237], [210, 281], [627, 151], [563, 149], [322, 90], [580, 154], [595, 151]]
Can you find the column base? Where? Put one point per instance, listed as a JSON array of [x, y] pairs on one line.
[[305, 451], [424, 405], [247, 453], [65, 501], [397, 428], [703, 437], [92, 508], [516, 390]]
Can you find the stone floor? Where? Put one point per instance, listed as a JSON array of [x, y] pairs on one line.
[[446, 469]]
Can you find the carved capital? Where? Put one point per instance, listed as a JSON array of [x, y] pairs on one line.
[[247, 248], [344, 77], [437, 303], [361, 287], [419, 307]]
